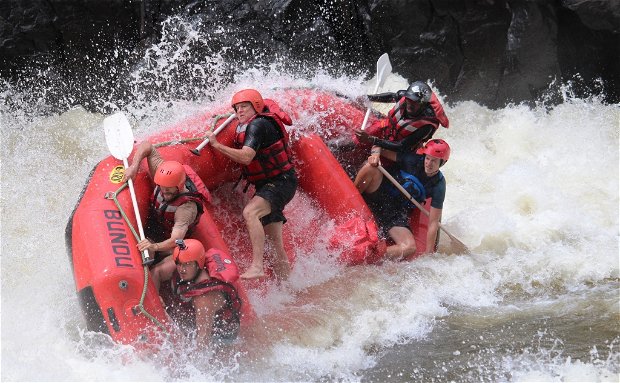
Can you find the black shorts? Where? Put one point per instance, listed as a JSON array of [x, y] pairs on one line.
[[278, 191], [389, 210]]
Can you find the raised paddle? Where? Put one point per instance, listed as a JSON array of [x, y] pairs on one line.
[[461, 248], [216, 131], [119, 137], [384, 68]]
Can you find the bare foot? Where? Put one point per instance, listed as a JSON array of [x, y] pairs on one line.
[[253, 272]]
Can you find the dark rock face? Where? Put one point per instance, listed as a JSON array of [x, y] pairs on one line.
[[490, 51], [496, 52]]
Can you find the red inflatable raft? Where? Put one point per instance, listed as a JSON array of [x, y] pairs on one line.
[[116, 294]]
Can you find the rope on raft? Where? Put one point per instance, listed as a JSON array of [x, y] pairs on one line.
[[216, 118], [145, 267]]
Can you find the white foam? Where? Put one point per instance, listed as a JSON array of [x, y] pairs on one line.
[[533, 191]]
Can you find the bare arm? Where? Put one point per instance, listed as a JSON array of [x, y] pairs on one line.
[[144, 150], [433, 227], [206, 306], [375, 154], [165, 245], [184, 216], [243, 156]]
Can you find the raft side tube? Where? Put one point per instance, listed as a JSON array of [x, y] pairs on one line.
[[107, 265], [321, 176], [418, 222]]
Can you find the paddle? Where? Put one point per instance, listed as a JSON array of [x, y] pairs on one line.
[[119, 137], [460, 246], [384, 68], [219, 129]]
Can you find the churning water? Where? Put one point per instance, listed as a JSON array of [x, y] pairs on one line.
[[532, 191]]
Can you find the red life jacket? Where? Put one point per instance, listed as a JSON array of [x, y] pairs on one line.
[[164, 211], [223, 271], [396, 127], [274, 159], [222, 266]]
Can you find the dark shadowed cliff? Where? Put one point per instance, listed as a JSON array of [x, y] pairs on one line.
[[490, 51]]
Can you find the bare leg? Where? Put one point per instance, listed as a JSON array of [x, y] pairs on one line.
[[368, 179], [257, 208], [404, 243], [281, 265]]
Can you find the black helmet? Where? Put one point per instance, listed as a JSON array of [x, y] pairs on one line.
[[419, 91]]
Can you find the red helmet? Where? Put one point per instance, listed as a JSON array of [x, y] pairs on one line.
[[189, 250], [170, 174], [249, 95], [437, 148]]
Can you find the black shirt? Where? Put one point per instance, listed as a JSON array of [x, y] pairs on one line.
[[262, 132]]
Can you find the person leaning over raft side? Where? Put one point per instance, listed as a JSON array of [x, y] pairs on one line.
[[421, 177], [413, 120], [205, 279], [176, 205], [262, 148]]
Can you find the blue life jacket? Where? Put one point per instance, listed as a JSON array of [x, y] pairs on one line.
[[413, 185]]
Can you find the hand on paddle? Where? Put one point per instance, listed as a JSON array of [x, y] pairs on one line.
[[145, 244], [374, 160], [130, 173], [211, 136], [364, 137]]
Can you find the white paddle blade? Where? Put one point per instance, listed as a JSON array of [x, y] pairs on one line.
[[384, 68], [118, 135]]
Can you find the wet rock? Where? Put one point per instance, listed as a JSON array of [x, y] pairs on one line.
[[491, 51]]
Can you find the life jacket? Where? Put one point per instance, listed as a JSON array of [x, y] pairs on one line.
[[274, 159], [396, 126], [163, 211], [413, 185], [223, 272]]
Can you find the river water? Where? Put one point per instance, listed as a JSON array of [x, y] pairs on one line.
[[532, 191]]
